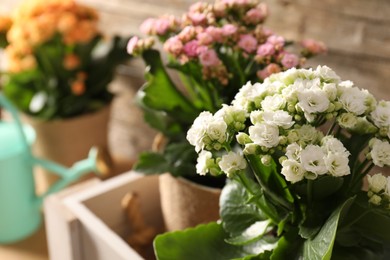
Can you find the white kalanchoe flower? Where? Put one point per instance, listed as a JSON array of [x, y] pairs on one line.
[[327, 74], [249, 94], [264, 134], [380, 152], [292, 170], [198, 129], [377, 182], [293, 151], [337, 164], [280, 118], [354, 100], [312, 159], [381, 114], [256, 116], [216, 130], [203, 162], [273, 103], [334, 145], [313, 101], [347, 120], [308, 135], [231, 163], [331, 90], [233, 116]]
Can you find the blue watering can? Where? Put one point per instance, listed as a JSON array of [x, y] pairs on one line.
[[20, 214]]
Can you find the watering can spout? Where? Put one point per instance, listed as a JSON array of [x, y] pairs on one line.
[[98, 161]]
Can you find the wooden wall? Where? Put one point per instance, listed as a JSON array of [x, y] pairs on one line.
[[357, 33]]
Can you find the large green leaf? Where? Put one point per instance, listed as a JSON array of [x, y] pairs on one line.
[[252, 233], [160, 93], [289, 246], [206, 242], [236, 213], [321, 246]]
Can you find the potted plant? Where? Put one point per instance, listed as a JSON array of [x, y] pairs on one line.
[[297, 149], [215, 49], [59, 69]]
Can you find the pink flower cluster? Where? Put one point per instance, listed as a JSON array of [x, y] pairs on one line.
[[228, 29]]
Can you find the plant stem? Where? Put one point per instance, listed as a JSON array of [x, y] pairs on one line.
[[309, 188], [331, 127], [243, 179]]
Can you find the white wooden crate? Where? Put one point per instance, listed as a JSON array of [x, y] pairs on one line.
[[88, 222]]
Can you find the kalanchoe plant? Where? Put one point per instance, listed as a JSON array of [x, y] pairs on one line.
[[216, 48], [297, 149], [59, 64]]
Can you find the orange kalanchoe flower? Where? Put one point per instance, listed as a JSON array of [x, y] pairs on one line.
[[5, 23], [38, 21]]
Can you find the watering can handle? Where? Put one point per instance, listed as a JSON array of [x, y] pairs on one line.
[[5, 103], [98, 161]]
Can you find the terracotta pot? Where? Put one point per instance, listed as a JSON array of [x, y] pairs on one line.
[[186, 204], [68, 141]]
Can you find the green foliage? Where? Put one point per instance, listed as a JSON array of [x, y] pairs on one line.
[[206, 242], [52, 81]]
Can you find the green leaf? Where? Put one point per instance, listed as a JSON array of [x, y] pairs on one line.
[[252, 233], [206, 242], [160, 93], [151, 163], [236, 213], [289, 246], [320, 247], [275, 187], [322, 187]]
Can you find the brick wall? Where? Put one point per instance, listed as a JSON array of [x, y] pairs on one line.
[[357, 33]]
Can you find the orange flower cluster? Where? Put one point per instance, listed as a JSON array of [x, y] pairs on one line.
[[5, 23], [38, 21]]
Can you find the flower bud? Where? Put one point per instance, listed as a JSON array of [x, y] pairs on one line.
[[266, 160], [375, 199], [251, 148], [282, 140], [243, 138]]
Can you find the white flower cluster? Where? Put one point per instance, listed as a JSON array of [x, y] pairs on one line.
[[314, 160], [282, 119], [379, 190]]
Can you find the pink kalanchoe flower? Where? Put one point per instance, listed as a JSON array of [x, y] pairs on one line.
[[215, 32], [209, 58], [229, 29], [266, 49], [276, 40], [162, 26], [313, 46], [132, 44], [191, 48], [173, 45], [197, 18], [204, 38], [235, 2], [257, 14], [248, 43], [290, 60], [147, 27], [187, 34], [267, 71]]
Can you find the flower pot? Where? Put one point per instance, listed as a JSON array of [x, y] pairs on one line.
[[186, 204], [67, 141]]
